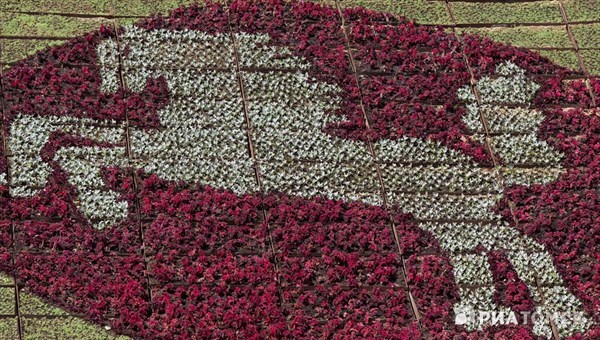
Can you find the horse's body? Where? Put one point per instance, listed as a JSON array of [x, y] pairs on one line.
[[204, 139]]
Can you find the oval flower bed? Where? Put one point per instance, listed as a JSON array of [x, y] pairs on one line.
[[274, 169]]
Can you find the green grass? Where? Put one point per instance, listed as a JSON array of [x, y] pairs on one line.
[[587, 36], [582, 10], [14, 50], [7, 301], [526, 36], [18, 24], [6, 280], [591, 60], [58, 6], [32, 305], [166, 5], [504, 13], [44, 26], [137, 8], [63, 26], [9, 328], [117, 7], [421, 11], [145, 7], [563, 58], [63, 328]]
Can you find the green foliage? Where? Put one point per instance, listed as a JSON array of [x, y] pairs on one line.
[[118, 7], [591, 60], [41, 328], [58, 6], [582, 10], [143, 7], [563, 58], [14, 50], [165, 6], [6, 280], [9, 328], [7, 301], [587, 36], [526, 36], [137, 8], [422, 11], [63, 26], [500, 12], [19, 24], [32, 305]]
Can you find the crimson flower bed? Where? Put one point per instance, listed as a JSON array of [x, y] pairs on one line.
[[206, 217]]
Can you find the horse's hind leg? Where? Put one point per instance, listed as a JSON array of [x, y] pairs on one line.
[[84, 165]]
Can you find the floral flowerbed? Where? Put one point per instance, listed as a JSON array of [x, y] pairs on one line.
[[271, 169]]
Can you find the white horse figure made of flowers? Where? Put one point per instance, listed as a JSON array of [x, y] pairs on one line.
[[221, 97]]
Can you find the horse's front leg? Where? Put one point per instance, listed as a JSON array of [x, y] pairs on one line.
[[554, 300], [473, 276], [533, 265]]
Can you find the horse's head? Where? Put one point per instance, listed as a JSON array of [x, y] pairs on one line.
[[499, 107]]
